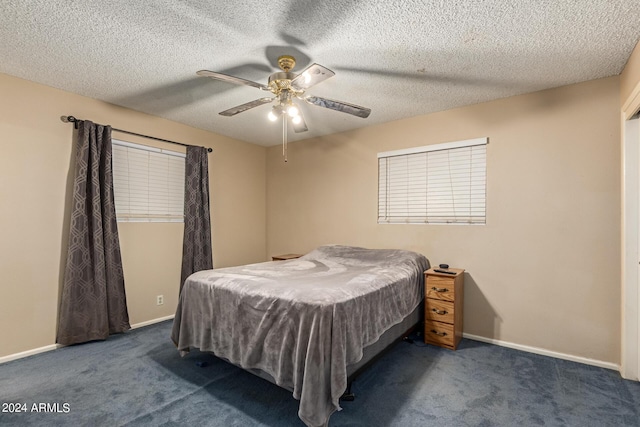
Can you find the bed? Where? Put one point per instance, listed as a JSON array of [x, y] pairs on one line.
[[305, 324]]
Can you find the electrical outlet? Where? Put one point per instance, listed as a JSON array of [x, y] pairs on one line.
[[160, 300]]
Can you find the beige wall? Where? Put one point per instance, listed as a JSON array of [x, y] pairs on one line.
[[539, 273], [544, 270], [35, 177]]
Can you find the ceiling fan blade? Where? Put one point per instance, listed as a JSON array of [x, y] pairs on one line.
[[301, 126], [312, 75], [231, 79], [343, 107], [246, 106]]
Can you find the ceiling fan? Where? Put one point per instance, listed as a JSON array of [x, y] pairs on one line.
[[287, 87]]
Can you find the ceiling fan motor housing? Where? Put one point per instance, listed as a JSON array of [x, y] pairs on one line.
[[280, 81]]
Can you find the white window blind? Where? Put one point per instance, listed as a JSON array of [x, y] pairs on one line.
[[148, 183], [435, 184]]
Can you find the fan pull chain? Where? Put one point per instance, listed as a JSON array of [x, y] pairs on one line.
[[284, 137]]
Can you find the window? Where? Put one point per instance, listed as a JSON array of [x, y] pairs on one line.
[[436, 184], [148, 183]]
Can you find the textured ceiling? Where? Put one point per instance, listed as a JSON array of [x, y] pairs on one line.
[[400, 58]]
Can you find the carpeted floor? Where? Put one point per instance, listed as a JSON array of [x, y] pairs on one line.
[[139, 379]]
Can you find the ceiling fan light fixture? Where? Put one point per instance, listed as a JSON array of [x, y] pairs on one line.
[[296, 119], [293, 111], [272, 116]]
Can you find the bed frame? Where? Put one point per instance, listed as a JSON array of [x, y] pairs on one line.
[[370, 354], [375, 351]]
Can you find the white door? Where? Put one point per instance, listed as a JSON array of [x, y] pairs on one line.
[[630, 360], [633, 130]]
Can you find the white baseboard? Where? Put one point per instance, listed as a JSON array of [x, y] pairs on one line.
[[543, 352], [151, 322], [28, 353], [535, 350]]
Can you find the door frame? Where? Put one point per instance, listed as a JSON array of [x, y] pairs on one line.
[[630, 298]]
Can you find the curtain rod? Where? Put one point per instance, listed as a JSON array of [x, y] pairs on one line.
[[71, 119]]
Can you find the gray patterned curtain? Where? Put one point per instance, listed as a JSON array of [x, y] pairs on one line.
[[93, 303], [196, 246]]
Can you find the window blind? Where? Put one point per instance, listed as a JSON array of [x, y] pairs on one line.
[[435, 184], [148, 183]]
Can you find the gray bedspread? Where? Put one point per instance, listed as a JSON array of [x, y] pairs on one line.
[[301, 321]]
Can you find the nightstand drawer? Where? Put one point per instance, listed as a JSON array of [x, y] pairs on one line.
[[442, 311], [440, 288], [439, 333]]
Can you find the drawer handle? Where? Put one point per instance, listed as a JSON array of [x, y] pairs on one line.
[[439, 289], [436, 311], [442, 334]]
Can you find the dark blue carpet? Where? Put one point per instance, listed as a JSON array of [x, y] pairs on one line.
[[138, 378]]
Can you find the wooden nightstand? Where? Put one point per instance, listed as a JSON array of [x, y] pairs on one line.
[[444, 295], [285, 257]]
